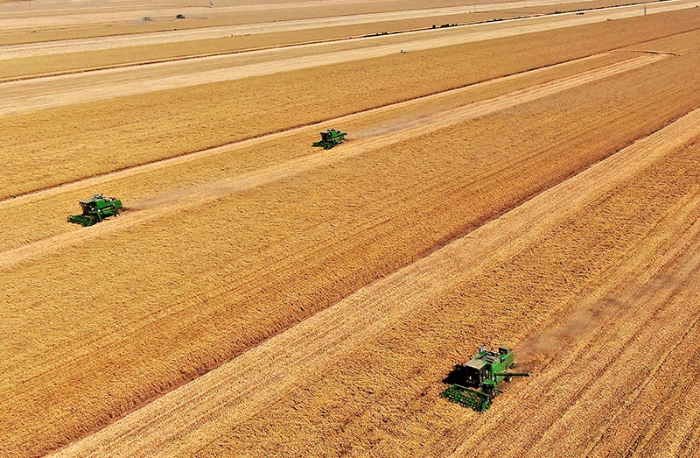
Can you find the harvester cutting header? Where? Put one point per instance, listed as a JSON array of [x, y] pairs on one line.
[[475, 383], [331, 138], [96, 209]]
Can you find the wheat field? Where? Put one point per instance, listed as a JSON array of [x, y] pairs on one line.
[[519, 172]]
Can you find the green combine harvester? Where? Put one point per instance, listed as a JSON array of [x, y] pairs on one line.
[[331, 138], [96, 209], [475, 383]]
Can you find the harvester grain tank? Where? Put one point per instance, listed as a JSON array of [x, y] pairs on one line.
[[475, 383], [331, 138], [96, 209]]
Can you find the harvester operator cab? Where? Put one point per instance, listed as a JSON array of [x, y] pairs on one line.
[[474, 373], [96, 209], [88, 206]]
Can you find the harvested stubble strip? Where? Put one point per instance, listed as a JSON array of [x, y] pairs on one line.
[[60, 145]]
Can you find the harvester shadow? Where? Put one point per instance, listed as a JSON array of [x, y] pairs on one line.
[[456, 375]]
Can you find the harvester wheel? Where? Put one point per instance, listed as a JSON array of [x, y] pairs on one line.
[[509, 379]]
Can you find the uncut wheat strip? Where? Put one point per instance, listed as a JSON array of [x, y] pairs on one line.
[[674, 426], [652, 346], [640, 337], [671, 426], [645, 334], [188, 416], [250, 180], [26, 96]]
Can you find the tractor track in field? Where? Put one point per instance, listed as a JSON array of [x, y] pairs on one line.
[[184, 420], [645, 334], [17, 97], [672, 356], [297, 166]]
